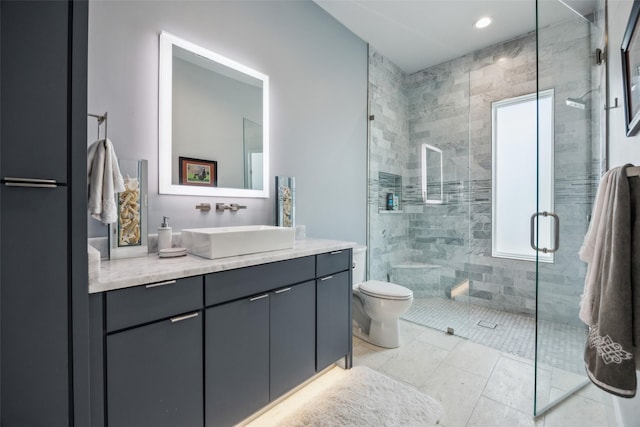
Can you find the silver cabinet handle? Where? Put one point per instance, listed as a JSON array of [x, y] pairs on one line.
[[279, 291], [556, 232], [258, 297], [155, 285], [326, 278], [335, 252], [30, 182], [185, 317]]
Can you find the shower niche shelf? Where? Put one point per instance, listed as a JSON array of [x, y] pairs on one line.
[[389, 183]]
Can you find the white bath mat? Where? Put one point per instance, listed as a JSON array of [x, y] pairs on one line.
[[362, 397]]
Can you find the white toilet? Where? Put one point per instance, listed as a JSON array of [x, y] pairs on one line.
[[377, 306]]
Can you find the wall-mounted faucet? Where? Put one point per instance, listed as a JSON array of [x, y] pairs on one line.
[[233, 207], [204, 207]]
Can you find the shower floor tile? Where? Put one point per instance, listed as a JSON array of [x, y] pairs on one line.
[[561, 346]]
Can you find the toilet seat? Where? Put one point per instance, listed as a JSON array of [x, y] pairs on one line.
[[385, 290]]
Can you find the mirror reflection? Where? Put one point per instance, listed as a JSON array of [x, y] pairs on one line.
[[431, 174], [213, 120]]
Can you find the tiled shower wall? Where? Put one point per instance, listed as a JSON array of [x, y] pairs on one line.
[[388, 153], [434, 248]]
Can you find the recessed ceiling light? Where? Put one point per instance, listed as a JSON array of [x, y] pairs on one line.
[[483, 22]]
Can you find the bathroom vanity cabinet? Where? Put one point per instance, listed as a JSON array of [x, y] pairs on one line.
[[212, 349]]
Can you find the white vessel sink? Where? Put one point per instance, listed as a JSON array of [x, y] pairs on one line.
[[221, 242]]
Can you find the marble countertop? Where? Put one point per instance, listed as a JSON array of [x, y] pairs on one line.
[[123, 273]]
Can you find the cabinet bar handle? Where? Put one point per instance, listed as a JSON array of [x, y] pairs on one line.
[[259, 297], [185, 317], [154, 285], [326, 278], [279, 291], [335, 252], [30, 182], [29, 185]]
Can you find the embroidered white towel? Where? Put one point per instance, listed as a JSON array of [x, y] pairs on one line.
[[104, 179]]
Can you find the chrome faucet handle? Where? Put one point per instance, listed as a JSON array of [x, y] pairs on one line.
[[235, 207], [204, 207], [221, 207]]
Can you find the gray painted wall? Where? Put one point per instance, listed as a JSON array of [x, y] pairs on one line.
[[622, 149], [318, 77]]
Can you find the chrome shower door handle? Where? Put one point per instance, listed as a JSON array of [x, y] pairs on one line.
[[556, 232]]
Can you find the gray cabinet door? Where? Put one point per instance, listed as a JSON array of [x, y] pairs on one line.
[[292, 348], [154, 374], [236, 360], [333, 305], [34, 307], [35, 83]]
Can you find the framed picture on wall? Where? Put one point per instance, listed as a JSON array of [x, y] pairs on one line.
[[631, 71], [198, 172]]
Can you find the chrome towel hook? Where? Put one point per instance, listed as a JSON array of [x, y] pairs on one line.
[[101, 119]]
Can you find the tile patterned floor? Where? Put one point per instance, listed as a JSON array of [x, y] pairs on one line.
[[561, 346], [479, 386]]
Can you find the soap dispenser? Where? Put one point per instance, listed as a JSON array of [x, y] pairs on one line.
[[164, 235]]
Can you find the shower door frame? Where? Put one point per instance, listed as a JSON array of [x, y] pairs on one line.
[[540, 409]]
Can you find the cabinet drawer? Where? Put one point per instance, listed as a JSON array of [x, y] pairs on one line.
[[140, 304], [242, 282], [333, 262]]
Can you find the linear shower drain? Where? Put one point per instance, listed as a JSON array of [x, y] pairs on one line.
[[485, 324]]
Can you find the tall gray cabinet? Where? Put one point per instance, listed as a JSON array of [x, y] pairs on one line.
[[43, 262]]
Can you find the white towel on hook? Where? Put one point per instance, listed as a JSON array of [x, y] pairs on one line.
[[104, 179], [592, 247]]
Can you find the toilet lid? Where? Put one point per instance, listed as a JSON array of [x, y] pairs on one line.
[[386, 290]]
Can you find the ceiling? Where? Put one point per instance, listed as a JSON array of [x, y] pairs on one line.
[[417, 34]]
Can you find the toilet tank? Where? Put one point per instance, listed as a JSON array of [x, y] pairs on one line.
[[359, 264]]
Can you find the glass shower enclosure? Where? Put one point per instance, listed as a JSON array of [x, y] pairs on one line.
[[568, 63], [485, 158]]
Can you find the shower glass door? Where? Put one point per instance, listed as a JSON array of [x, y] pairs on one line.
[[568, 167], [419, 234]]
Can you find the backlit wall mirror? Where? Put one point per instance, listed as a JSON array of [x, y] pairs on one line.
[[432, 184], [213, 123]]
